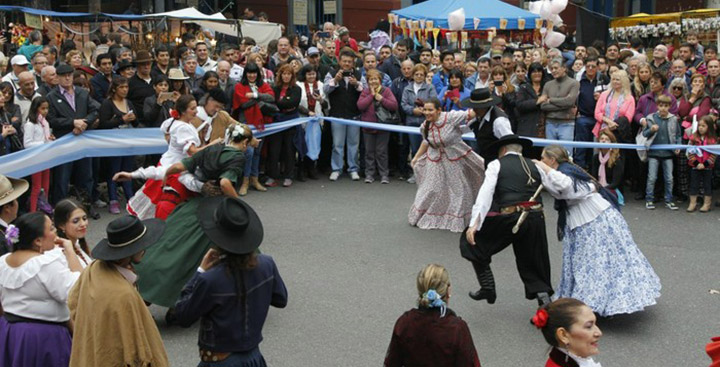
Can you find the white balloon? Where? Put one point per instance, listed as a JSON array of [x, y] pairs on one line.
[[556, 20], [456, 20], [554, 39], [558, 6], [545, 12], [534, 7]]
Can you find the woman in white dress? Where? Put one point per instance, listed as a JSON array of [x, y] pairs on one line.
[[602, 265], [155, 200], [71, 220]]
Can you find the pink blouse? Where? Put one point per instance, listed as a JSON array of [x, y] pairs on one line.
[[627, 109]]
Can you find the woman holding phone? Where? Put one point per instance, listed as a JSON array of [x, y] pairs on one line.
[[156, 109], [117, 112], [312, 102]]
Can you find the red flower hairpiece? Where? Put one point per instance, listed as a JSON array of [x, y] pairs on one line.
[[540, 319], [174, 114]]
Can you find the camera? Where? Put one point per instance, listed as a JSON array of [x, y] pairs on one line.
[[498, 83]]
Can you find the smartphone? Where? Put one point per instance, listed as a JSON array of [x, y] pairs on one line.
[[316, 92], [323, 34], [498, 83], [255, 49], [165, 95], [347, 74]]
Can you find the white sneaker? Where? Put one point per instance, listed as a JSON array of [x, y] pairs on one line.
[[354, 176], [334, 176], [411, 180], [100, 204]]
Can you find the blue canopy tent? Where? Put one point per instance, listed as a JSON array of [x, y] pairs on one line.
[[488, 11]]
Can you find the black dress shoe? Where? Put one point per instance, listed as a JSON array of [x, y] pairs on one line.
[[92, 213], [482, 294], [543, 299]]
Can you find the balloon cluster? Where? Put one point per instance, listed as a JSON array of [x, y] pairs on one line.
[[549, 10]]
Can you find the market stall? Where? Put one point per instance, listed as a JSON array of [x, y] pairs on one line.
[[704, 22]]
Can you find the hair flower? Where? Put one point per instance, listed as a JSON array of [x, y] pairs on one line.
[[12, 236], [174, 114], [540, 319], [435, 301]]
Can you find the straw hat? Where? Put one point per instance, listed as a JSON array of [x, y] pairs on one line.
[[177, 74], [11, 189]]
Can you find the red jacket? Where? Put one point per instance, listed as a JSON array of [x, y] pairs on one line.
[[422, 338], [706, 158], [253, 115], [340, 44]]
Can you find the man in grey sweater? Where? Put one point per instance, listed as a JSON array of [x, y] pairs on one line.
[[558, 101]]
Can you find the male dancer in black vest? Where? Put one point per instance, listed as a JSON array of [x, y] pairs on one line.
[[510, 183], [491, 122]]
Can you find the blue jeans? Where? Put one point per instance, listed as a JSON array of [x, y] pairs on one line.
[[80, 171], [415, 141], [560, 130], [117, 164], [583, 132], [252, 161], [342, 133], [667, 165]]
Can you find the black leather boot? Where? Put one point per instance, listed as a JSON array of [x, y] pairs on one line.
[[487, 284]]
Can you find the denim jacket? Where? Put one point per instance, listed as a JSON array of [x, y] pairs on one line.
[[226, 324]]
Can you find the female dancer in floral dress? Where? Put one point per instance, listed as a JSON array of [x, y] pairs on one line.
[[448, 172]]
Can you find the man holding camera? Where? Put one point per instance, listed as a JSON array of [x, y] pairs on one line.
[[343, 87]]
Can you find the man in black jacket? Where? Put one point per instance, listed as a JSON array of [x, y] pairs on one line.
[[343, 89], [71, 111], [101, 81], [392, 65], [592, 83], [141, 83], [400, 143]]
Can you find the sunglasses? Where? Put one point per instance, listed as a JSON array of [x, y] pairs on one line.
[[677, 88]]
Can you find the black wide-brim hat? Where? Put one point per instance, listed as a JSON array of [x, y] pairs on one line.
[[480, 98], [493, 148], [127, 236], [231, 224]]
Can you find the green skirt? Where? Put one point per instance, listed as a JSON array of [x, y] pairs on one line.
[[174, 259]]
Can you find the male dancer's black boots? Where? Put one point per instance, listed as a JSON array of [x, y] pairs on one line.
[[487, 284]]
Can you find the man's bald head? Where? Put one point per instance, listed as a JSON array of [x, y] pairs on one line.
[[26, 80]]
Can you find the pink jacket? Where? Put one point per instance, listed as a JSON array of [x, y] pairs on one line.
[[627, 109], [366, 105]]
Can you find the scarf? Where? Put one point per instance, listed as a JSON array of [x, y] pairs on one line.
[[604, 158], [620, 102], [309, 93], [582, 179]]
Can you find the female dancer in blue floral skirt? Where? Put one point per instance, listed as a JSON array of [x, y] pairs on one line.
[[602, 265]]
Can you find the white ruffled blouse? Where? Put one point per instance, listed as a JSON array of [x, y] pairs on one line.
[[38, 289], [582, 362], [584, 205]]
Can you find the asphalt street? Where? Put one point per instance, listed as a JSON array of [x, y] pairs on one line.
[[349, 260]]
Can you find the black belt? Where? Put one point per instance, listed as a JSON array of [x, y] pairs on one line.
[[11, 318]]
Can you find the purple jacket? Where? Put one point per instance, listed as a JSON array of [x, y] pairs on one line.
[[366, 104], [646, 106]]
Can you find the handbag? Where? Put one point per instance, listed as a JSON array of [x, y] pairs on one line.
[[640, 139], [384, 115], [268, 109]]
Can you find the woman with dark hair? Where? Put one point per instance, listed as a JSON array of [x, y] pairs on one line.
[[281, 146], [312, 104], [454, 92], [117, 112], [11, 121], [232, 274], [177, 82], [251, 95], [529, 117], [570, 327], [71, 220], [156, 109], [444, 160], [209, 81], [35, 279], [695, 106], [602, 264], [446, 337]]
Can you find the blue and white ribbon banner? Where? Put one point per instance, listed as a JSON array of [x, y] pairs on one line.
[[124, 142]]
